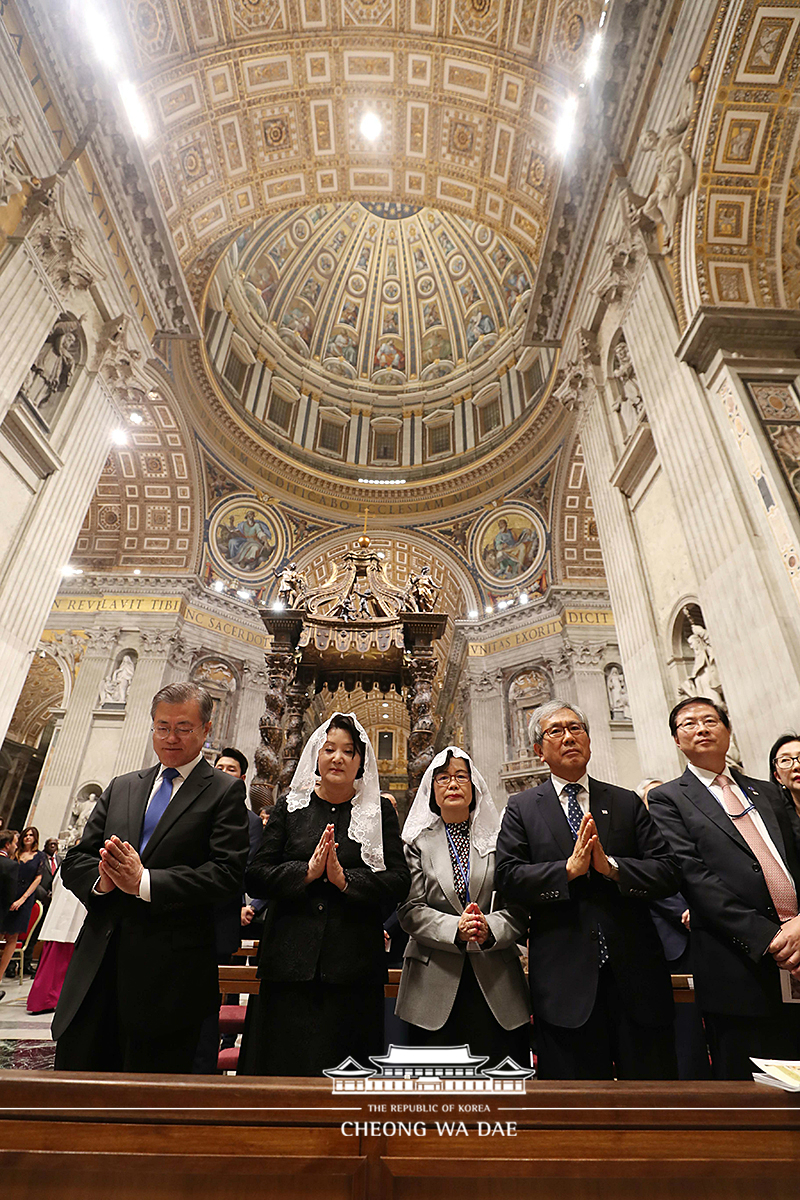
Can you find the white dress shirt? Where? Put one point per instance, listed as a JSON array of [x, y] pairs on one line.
[[707, 778], [582, 797], [183, 774]]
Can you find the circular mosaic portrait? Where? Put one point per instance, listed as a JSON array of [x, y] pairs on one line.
[[244, 540], [509, 544]]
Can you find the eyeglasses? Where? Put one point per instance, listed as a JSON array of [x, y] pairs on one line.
[[693, 724], [462, 778], [180, 731], [557, 733], [787, 760]]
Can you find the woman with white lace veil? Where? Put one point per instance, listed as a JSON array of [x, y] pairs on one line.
[[331, 866], [462, 979]]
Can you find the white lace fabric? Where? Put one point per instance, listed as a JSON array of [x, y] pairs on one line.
[[484, 819], [366, 827]]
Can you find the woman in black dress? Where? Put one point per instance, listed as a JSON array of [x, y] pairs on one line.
[[331, 866], [32, 864]]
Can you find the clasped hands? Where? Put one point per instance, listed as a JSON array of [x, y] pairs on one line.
[[120, 867], [325, 861], [588, 852], [472, 925], [785, 946]]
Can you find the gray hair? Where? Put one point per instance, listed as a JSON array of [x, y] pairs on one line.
[[549, 710], [184, 693]]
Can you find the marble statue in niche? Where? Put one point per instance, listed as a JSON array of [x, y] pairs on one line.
[[526, 691], [628, 402], [703, 676], [12, 171], [618, 702], [51, 373], [114, 688]]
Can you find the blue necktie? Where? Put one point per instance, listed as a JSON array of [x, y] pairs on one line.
[[574, 817], [156, 807]]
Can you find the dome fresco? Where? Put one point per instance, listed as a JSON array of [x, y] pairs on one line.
[[385, 294]]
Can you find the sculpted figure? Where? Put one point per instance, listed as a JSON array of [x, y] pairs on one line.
[[674, 180], [50, 375]]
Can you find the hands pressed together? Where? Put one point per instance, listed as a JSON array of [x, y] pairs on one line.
[[588, 852], [785, 946], [120, 867], [325, 861], [473, 926]]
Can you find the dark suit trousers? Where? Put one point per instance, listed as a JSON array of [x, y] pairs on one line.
[[96, 1040], [608, 1046], [732, 1039]]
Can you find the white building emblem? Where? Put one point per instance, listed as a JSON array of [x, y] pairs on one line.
[[427, 1069]]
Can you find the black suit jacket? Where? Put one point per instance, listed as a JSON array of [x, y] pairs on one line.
[[228, 916], [47, 878], [733, 917], [533, 846], [196, 855], [315, 926], [9, 870]]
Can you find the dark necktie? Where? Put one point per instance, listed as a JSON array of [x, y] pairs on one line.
[[157, 806], [574, 817]]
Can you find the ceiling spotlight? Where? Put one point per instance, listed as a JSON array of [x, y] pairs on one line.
[[119, 437], [243, 594], [502, 604], [153, 395], [386, 704], [68, 571], [473, 614], [386, 716], [278, 606], [489, 610], [371, 126], [136, 571], [523, 597], [137, 418], [218, 585], [566, 125]]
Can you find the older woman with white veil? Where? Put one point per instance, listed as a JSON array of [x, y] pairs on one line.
[[331, 866], [462, 979]]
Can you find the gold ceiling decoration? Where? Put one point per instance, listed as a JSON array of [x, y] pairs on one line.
[[257, 105]]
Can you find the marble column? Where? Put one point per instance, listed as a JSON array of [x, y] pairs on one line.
[[31, 570], [56, 791], [592, 697], [649, 686], [136, 744], [30, 306], [739, 590], [250, 711], [487, 738]]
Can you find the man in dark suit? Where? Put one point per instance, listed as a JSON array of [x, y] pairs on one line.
[[161, 848], [739, 849], [587, 861], [9, 870]]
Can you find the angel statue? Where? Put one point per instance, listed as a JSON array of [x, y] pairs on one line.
[[292, 586], [674, 179], [420, 593]]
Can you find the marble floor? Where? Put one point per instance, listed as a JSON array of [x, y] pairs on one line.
[[25, 1042]]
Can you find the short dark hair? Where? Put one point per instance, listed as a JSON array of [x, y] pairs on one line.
[[432, 805], [184, 693], [51, 841], [236, 755], [773, 754], [342, 721], [7, 836], [673, 716]]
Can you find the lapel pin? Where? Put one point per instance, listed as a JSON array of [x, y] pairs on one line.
[[604, 811]]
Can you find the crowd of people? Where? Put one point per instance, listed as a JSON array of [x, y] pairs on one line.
[[608, 892]]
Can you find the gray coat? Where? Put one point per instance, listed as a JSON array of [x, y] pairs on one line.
[[433, 962]]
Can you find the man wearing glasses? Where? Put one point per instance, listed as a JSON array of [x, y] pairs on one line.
[[162, 847], [586, 860], [738, 847]]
